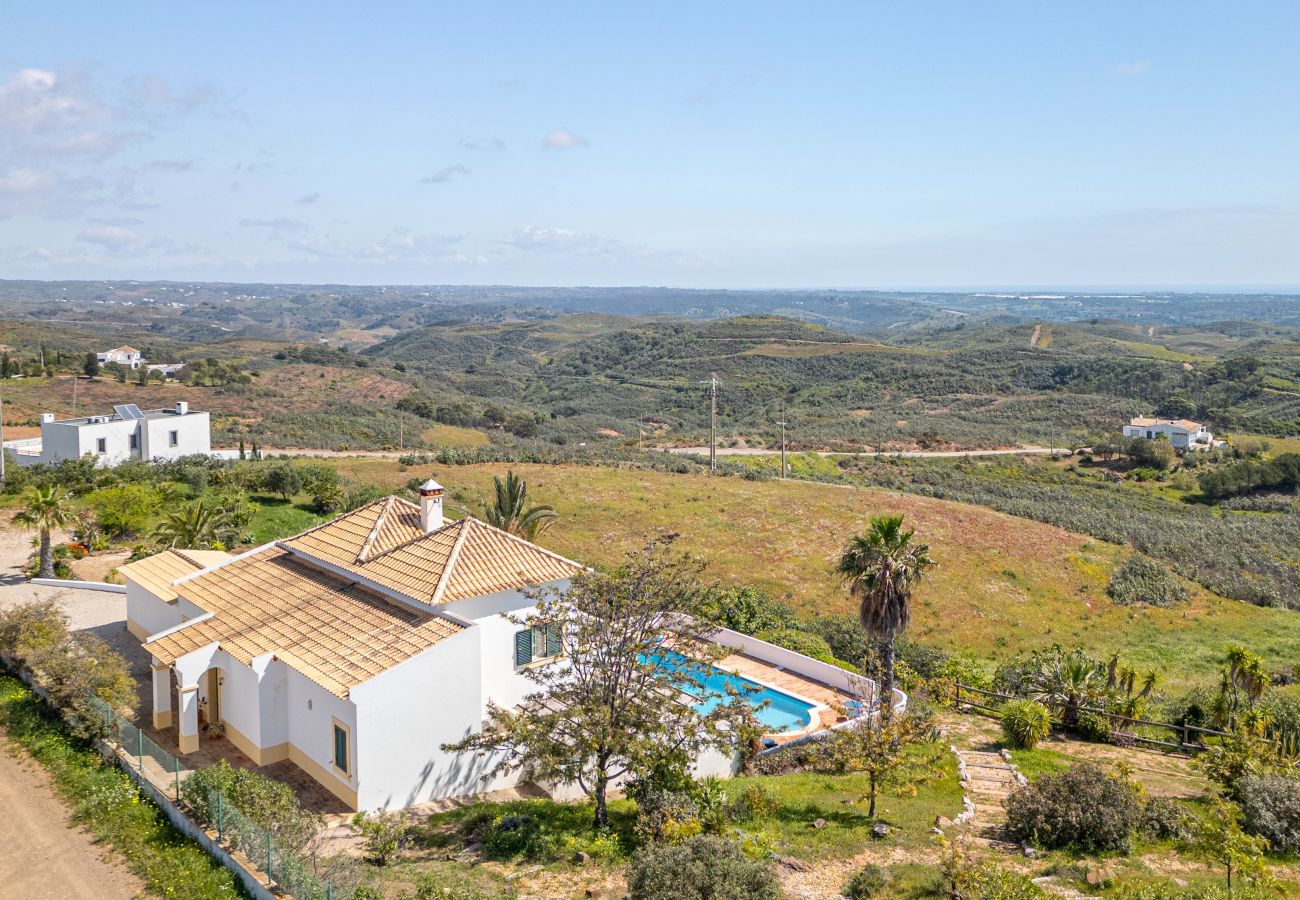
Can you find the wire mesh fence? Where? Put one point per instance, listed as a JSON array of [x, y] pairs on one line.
[[291, 874]]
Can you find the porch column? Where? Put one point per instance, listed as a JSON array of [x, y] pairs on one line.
[[162, 696], [189, 724]]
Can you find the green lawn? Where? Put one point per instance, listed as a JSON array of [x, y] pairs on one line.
[[277, 518]]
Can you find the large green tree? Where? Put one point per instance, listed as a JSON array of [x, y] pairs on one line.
[[45, 508], [509, 509], [881, 567], [608, 701]]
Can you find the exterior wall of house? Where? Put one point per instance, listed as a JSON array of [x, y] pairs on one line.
[[1179, 437], [193, 435], [502, 682], [147, 614], [312, 711], [405, 714]]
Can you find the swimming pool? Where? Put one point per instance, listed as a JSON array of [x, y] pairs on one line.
[[782, 712]]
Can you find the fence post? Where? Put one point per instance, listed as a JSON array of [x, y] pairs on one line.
[[329, 890], [139, 749], [1186, 737], [269, 876], [177, 761], [218, 795], [957, 704]]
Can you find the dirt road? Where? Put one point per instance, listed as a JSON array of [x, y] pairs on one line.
[[46, 856], [907, 454]]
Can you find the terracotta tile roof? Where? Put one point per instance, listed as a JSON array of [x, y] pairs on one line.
[[468, 558], [333, 631], [361, 534], [1143, 422], [156, 573]]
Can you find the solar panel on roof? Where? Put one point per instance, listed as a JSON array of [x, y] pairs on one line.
[[128, 411]]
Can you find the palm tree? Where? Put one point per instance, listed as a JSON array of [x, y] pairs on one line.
[[1068, 683], [44, 509], [509, 509], [197, 525], [881, 566]]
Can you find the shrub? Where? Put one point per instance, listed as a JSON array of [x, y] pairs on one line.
[[869, 881], [1143, 580], [1025, 723], [702, 868], [665, 816], [799, 641], [385, 833], [1082, 807], [1166, 819], [753, 803], [282, 478], [267, 803], [125, 509], [1270, 807], [1093, 727]]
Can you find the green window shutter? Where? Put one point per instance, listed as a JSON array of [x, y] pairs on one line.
[[340, 749], [553, 646], [523, 647]]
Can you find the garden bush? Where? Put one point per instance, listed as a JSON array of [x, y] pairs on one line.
[[704, 867], [753, 803], [267, 803], [869, 881], [1025, 723], [1143, 580], [1166, 819], [1270, 807], [1082, 808], [1093, 727]]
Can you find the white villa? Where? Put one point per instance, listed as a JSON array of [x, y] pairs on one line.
[[128, 433], [356, 649], [1183, 434], [123, 356]]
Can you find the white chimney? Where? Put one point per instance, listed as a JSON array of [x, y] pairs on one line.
[[46, 418], [430, 506], [182, 407]]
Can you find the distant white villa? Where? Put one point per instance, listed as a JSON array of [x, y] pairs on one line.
[[1183, 434], [123, 356], [127, 433]]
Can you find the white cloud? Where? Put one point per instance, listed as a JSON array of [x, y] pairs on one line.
[[308, 199], [25, 181], [171, 165], [563, 139], [496, 145], [110, 237], [279, 225], [1132, 69], [400, 245], [563, 240], [444, 175]]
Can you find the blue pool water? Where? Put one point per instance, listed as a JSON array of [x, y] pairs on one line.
[[782, 712]]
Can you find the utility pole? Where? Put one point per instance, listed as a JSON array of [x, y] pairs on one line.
[[2, 437], [401, 431], [75, 379], [713, 420], [782, 423]]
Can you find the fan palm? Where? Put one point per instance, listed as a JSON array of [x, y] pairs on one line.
[[881, 566], [44, 509], [509, 509], [1067, 683], [197, 525]]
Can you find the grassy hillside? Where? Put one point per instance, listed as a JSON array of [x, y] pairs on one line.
[[1004, 585]]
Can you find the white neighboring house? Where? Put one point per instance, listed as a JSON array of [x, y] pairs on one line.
[[126, 433], [123, 356], [1183, 434], [168, 370]]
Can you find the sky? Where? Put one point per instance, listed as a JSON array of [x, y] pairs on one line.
[[873, 145]]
